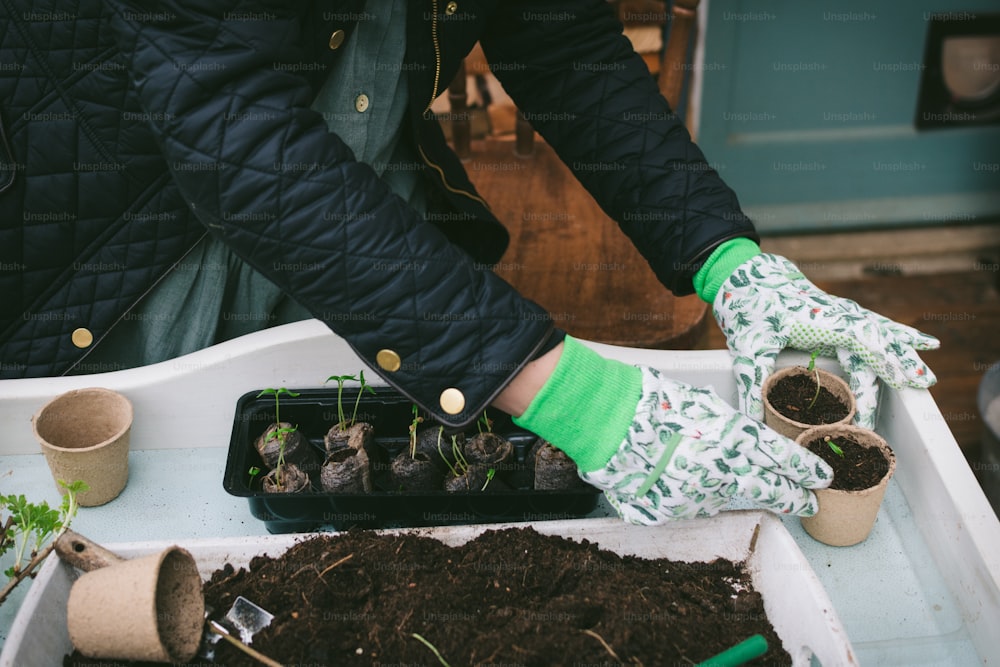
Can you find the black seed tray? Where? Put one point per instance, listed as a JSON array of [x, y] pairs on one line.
[[314, 411]]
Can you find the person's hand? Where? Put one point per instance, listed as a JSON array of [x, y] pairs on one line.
[[688, 454], [767, 304], [664, 450]]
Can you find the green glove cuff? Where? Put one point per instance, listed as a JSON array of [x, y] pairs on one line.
[[586, 406], [721, 264]]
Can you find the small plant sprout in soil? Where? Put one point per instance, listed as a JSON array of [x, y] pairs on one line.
[[348, 432], [806, 395], [834, 447], [279, 438], [342, 422], [484, 423], [461, 465], [30, 530], [347, 468], [854, 466], [417, 419], [414, 469], [815, 371]]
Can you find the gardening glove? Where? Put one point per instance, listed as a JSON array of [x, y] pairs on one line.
[[766, 304], [662, 449]]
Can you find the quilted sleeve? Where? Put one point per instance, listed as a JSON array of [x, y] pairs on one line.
[[573, 73], [262, 172]]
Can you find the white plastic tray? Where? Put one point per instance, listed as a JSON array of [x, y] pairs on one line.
[[795, 601], [922, 591]]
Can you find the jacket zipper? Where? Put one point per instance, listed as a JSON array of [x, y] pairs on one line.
[[437, 53], [437, 82], [444, 181]]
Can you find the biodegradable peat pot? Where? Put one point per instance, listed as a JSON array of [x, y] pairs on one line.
[[846, 516], [150, 608], [293, 480], [554, 470], [84, 435], [296, 447], [778, 416]]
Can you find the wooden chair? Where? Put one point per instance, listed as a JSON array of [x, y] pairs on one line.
[[565, 253]]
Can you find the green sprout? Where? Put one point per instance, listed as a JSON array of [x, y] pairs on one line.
[[277, 407], [431, 646], [461, 465], [413, 431], [253, 472], [341, 379], [281, 433], [31, 530], [484, 422], [342, 420], [361, 390], [490, 474], [815, 371], [834, 447]]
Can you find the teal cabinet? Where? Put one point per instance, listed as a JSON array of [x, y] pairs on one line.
[[808, 113]]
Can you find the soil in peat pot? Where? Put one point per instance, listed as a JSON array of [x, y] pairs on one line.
[[510, 596], [792, 395], [859, 468]]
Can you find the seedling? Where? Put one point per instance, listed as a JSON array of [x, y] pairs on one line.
[[490, 474], [484, 422], [279, 469], [281, 433], [413, 431], [340, 380], [277, 410], [834, 447], [431, 646], [361, 390], [815, 371], [31, 531], [461, 465], [253, 472]]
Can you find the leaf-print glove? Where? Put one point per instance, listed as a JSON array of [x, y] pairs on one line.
[[767, 304], [663, 449]]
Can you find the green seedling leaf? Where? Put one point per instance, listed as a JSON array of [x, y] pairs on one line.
[[489, 478], [277, 394], [31, 529], [834, 447]]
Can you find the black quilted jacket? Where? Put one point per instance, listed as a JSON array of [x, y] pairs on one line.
[[130, 132]]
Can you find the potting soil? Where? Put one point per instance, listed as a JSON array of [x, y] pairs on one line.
[[511, 597]]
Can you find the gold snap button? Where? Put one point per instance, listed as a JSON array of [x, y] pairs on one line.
[[336, 39], [361, 103], [82, 337], [388, 360], [452, 401], [451, 8]]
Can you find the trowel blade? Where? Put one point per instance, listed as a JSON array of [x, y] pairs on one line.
[[247, 618]]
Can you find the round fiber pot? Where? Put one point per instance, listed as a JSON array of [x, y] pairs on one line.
[[791, 428], [846, 518], [84, 435], [149, 608]]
